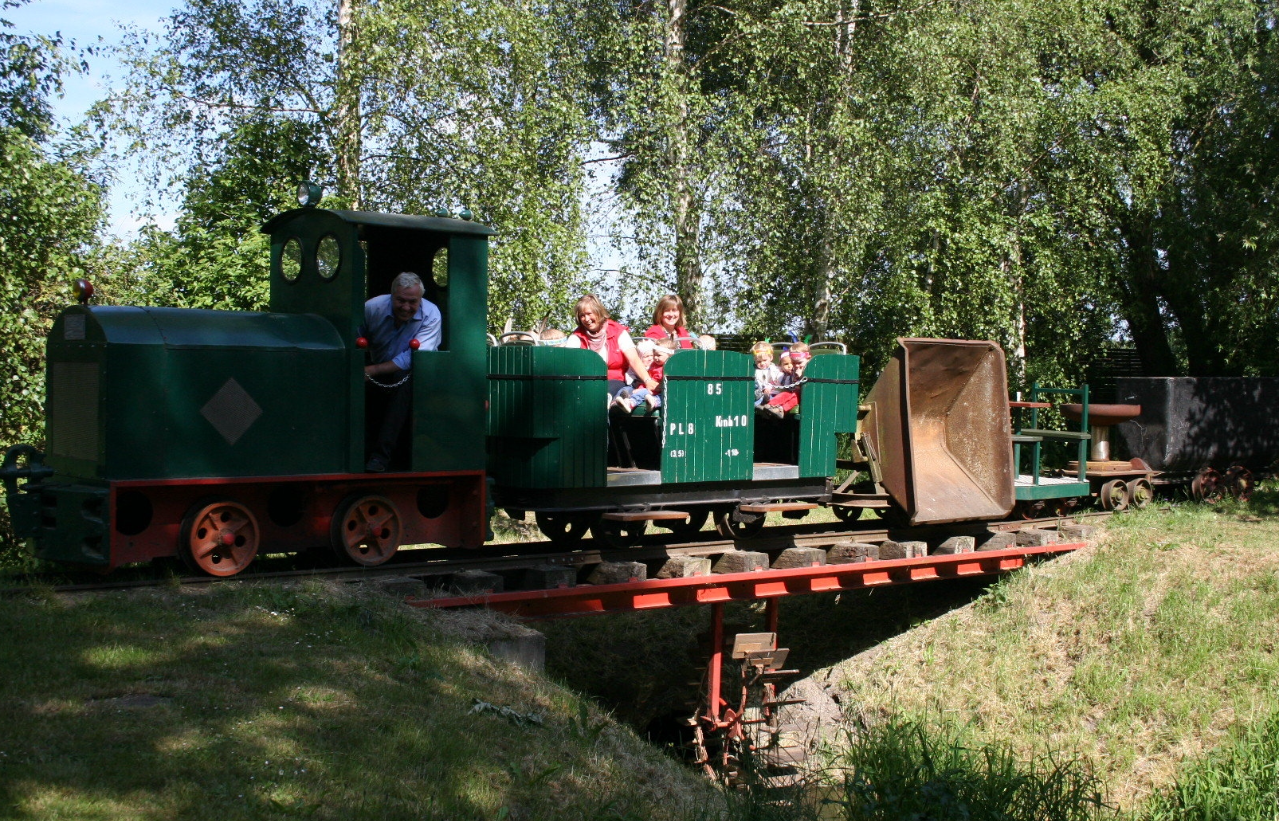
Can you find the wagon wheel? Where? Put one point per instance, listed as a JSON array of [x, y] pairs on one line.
[[1140, 493], [1064, 508], [847, 514], [1030, 508], [1114, 495], [564, 529], [893, 516], [219, 538], [1240, 483], [619, 535], [1207, 487], [366, 529], [696, 519], [734, 524]]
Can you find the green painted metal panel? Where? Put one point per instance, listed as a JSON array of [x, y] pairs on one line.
[[1059, 490], [450, 385], [548, 418], [828, 406], [708, 422], [338, 298], [177, 393]]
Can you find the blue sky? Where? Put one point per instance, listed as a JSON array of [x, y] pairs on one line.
[[88, 23]]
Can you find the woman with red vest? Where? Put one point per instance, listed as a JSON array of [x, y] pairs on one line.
[[668, 322], [597, 332]]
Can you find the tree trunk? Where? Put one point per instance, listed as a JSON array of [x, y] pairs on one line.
[[825, 272], [347, 104], [687, 210], [1140, 307], [826, 269]]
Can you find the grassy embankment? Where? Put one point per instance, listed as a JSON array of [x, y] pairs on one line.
[[1150, 659], [1140, 655], [254, 702]]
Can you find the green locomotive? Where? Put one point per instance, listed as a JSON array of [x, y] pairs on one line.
[[216, 435]]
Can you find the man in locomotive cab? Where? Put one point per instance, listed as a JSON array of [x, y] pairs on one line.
[[395, 325]]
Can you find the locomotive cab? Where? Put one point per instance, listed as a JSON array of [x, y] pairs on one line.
[[331, 262]]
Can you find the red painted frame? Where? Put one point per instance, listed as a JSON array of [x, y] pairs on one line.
[[462, 523], [654, 594]]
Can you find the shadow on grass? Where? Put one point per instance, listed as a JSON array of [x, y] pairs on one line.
[[645, 666], [260, 702]]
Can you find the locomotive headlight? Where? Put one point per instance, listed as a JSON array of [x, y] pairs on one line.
[[83, 290], [309, 194]]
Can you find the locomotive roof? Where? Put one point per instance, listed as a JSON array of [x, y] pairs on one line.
[[413, 222]]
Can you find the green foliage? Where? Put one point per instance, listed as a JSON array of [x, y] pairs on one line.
[[483, 107], [31, 69], [460, 106], [216, 257], [904, 769], [51, 212], [1239, 782]]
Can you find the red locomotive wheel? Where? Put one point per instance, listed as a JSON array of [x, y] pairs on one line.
[[1114, 495], [1207, 487], [366, 529], [1140, 493], [1240, 483], [219, 538]]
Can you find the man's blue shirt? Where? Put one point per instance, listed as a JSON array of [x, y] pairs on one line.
[[389, 343]]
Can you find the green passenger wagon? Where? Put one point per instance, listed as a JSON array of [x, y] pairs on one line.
[[555, 448]]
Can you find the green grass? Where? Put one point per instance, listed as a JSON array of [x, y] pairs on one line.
[[1143, 671], [1137, 656], [904, 769], [248, 702], [1239, 781]]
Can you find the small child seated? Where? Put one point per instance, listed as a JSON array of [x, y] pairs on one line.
[[653, 354], [786, 397], [706, 342], [767, 375], [551, 336]]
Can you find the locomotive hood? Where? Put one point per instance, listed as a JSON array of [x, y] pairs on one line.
[[192, 393]]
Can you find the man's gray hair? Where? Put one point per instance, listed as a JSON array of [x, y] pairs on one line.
[[407, 279]]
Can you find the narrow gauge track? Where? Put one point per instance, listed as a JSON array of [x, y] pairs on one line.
[[500, 558]]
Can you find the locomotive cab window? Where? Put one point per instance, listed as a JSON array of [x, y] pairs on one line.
[[291, 260], [328, 257], [393, 251]]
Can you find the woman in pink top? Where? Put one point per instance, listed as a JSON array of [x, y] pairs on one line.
[[668, 322]]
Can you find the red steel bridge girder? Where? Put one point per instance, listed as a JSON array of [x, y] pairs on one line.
[[655, 594]]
